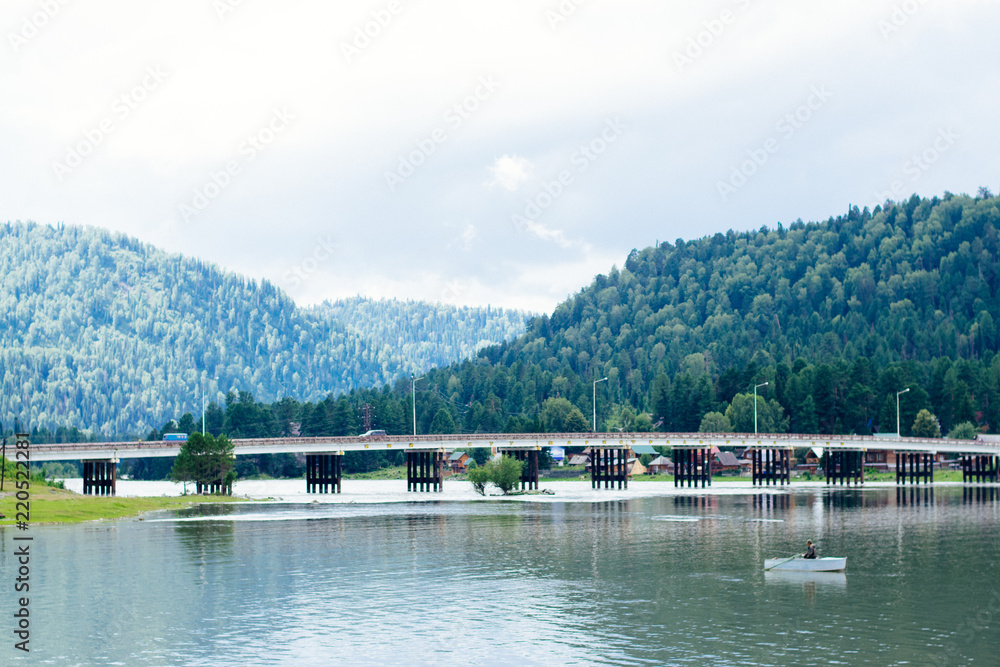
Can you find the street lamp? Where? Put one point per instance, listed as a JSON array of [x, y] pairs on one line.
[[203, 402], [755, 406], [595, 402], [413, 395], [897, 409]]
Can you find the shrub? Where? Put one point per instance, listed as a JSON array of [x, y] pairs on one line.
[[480, 476], [507, 474]]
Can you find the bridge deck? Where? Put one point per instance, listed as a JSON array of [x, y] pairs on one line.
[[501, 441]]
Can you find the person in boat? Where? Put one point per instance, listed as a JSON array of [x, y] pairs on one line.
[[810, 550]]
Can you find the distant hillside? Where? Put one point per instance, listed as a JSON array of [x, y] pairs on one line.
[[103, 332], [427, 334]]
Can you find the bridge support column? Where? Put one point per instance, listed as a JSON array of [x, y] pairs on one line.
[[99, 477], [769, 466], [980, 468], [918, 466], [425, 471], [529, 473], [608, 466], [218, 487], [845, 467], [324, 472], [693, 465]]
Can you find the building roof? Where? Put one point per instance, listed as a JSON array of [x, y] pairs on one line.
[[456, 456], [644, 449], [661, 461], [579, 459], [727, 459]]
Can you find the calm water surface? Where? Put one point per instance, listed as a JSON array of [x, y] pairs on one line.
[[648, 580]]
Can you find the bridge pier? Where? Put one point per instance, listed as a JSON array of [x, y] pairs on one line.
[[218, 487], [608, 466], [845, 466], [529, 473], [769, 466], [99, 477], [980, 468], [693, 465], [324, 472], [918, 466], [425, 471]]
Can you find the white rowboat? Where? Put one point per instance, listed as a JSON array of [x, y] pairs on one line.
[[806, 564]]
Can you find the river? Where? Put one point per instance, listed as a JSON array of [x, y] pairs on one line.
[[644, 576]]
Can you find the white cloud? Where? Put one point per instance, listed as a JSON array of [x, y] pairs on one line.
[[356, 120], [556, 236], [466, 239], [510, 171]]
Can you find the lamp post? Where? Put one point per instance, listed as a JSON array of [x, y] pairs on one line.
[[755, 406], [897, 409], [595, 402], [413, 396]]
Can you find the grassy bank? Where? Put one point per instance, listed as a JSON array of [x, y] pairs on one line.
[[49, 505], [393, 472]]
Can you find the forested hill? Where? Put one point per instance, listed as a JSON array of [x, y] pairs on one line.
[[102, 332], [429, 334], [837, 316]]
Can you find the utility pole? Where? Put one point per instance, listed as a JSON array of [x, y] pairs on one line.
[[755, 406], [413, 395], [366, 414], [595, 402], [897, 410]]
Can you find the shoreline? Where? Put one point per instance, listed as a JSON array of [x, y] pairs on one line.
[[52, 506]]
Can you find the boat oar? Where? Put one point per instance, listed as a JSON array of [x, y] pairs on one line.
[[781, 563]]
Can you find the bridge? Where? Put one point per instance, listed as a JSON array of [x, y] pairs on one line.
[[770, 455]]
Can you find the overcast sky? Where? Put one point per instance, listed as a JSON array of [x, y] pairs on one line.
[[478, 152]]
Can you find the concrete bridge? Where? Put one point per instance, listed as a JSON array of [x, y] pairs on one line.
[[770, 455]]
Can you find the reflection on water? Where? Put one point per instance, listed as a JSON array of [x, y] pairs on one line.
[[980, 494], [813, 579], [659, 580], [915, 495]]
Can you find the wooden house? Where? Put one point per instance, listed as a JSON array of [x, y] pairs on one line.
[[459, 462], [725, 462], [661, 465]]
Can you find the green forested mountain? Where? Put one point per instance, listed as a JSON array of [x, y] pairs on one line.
[[101, 332], [836, 316]]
